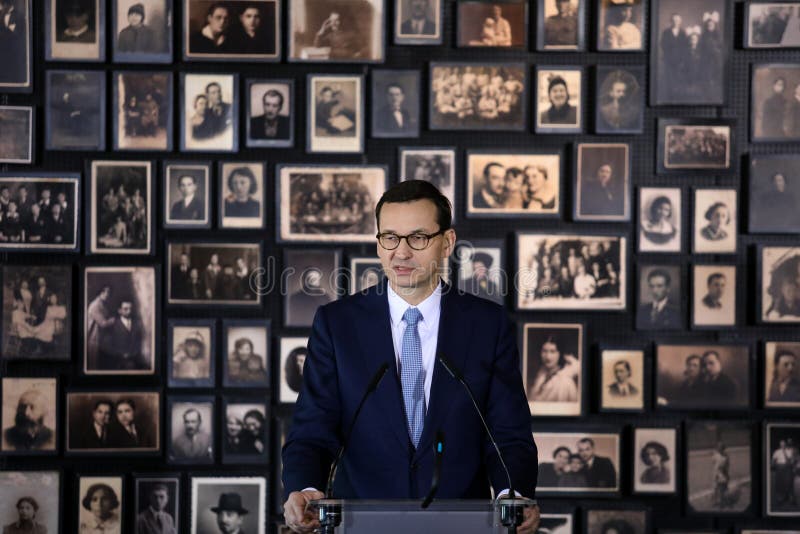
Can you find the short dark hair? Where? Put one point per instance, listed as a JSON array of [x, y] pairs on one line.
[[273, 93], [210, 85], [101, 402], [29, 500], [214, 7], [129, 402], [195, 410], [395, 84], [656, 205], [254, 414], [710, 352], [714, 207], [411, 190], [248, 173], [714, 276], [783, 352], [662, 273], [626, 364], [692, 357], [660, 449], [562, 448], [590, 441], [87, 499]]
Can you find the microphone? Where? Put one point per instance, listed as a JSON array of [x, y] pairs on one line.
[[371, 387], [438, 450]]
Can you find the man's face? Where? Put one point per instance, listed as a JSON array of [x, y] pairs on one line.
[[716, 288], [251, 19], [184, 260], [658, 287], [558, 95], [335, 21], [621, 373], [618, 90], [77, 20], [218, 20], [125, 310], [785, 366], [585, 451], [692, 368], [135, 19], [102, 414], [272, 106], [418, 8], [228, 521], [46, 194], [26, 511], [214, 259], [5, 194], [563, 7], [30, 410], [395, 97], [496, 180], [187, 186], [191, 423], [779, 86], [214, 95], [604, 174], [712, 365], [125, 414], [676, 21], [159, 499], [497, 11]]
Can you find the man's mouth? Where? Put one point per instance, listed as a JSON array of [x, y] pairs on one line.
[[401, 270]]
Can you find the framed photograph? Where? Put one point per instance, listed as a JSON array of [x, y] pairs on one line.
[[143, 110], [689, 43], [703, 377], [241, 194], [17, 43], [281, 432], [31, 495], [191, 345], [240, 500], [418, 22], [29, 416], [697, 145], [773, 194], [190, 427], [37, 312], [768, 25], [158, 504], [348, 32], [187, 190], [335, 118], [602, 182], [655, 460], [774, 109], [313, 281], [233, 30], [210, 112], [75, 112], [719, 467], [620, 93], [142, 31], [481, 269], [120, 325], [777, 285], [660, 219], [660, 297], [559, 97], [120, 200], [436, 165], [270, 113], [560, 25], [780, 462], [565, 458], [106, 490], [365, 272], [16, 139], [713, 296], [75, 30], [246, 438], [501, 24], [513, 184], [497, 97], [219, 273], [117, 421], [294, 351], [246, 343], [571, 272], [781, 381], [328, 203], [598, 521], [556, 523], [621, 26], [553, 367], [395, 103], [622, 380]]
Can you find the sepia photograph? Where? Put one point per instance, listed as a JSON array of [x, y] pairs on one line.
[[143, 110], [219, 273], [602, 182], [75, 30], [395, 103], [75, 111], [436, 165], [191, 345], [120, 199], [100, 504], [660, 219], [209, 112], [313, 280], [190, 430], [777, 284], [714, 296], [781, 375], [187, 190], [773, 194], [142, 31], [294, 351], [559, 96], [771, 25], [775, 105], [16, 28], [246, 345], [342, 32], [689, 52], [571, 272], [622, 380], [660, 297], [120, 321], [695, 145], [32, 501], [365, 272], [481, 269], [418, 22], [270, 113], [36, 312], [621, 25], [157, 504], [553, 368], [117, 421], [478, 96], [578, 463], [501, 24], [233, 30], [560, 25], [655, 460], [616, 520], [241, 194], [513, 184], [703, 377], [718, 467], [16, 139], [335, 119], [328, 204], [782, 460], [238, 503], [246, 438], [29, 416], [620, 94], [716, 217]]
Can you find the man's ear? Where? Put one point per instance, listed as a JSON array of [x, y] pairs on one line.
[[450, 237]]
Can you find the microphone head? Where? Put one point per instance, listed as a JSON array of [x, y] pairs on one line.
[[449, 367], [379, 374]]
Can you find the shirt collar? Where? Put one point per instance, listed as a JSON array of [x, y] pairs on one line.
[[77, 33], [429, 308]]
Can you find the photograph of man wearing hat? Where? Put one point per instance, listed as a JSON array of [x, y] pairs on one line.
[[230, 513], [77, 23], [137, 36]]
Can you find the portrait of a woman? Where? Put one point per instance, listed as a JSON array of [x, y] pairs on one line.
[[655, 456], [659, 228], [102, 504], [557, 377], [717, 215]]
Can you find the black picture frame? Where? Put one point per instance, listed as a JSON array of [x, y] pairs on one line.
[[172, 481], [771, 207], [336, 143], [786, 430], [660, 236], [300, 303], [88, 45], [722, 163], [729, 280], [65, 119], [196, 169], [232, 482], [249, 405], [604, 385], [640, 487], [125, 119], [51, 415], [751, 38], [409, 85], [619, 515], [479, 11], [226, 170], [18, 79], [492, 254], [548, 78], [431, 31], [208, 132], [364, 272], [435, 164], [622, 38], [289, 380], [158, 41], [543, 10], [255, 378], [584, 207], [772, 352], [768, 288], [285, 125], [670, 316], [202, 405], [611, 116], [210, 344], [19, 125]]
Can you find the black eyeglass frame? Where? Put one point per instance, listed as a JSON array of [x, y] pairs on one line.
[[400, 238]]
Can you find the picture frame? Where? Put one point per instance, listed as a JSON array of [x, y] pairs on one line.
[[213, 126], [481, 269], [146, 40], [242, 205], [621, 27], [24, 401], [75, 32], [436, 165], [344, 95], [293, 354], [623, 374], [781, 383], [43, 487], [281, 431], [195, 365], [677, 138], [17, 141], [712, 306], [557, 523], [775, 284], [772, 102], [140, 122], [400, 97], [313, 281], [658, 462], [418, 22], [632, 519], [555, 83], [765, 25], [771, 194], [779, 438], [365, 272], [75, 114], [504, 32], [660, 219], [560, 25], [182, 180], [660, 302], [598, 195], [270, 113], [253, 417], [17, 76], [191, 429], [162, 493], [620, 94], [113, 490], [221, 491], [243, 368]]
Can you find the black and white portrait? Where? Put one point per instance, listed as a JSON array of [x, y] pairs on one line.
[[191, 425], [418, 22], [772, 25], [119, 326], [619, 521], [689, 52], [578, 462], [191, 350], [781, 374], [75, 30], [513, 183], [246, 438], [143, 110], [31, 501], [16, 134], [779, 284], [716, 217], [39, 212], [187, 190], [694, 145], [365, 272], [434, 165], [660, 296], [555, 524], [210, 112], [99, 504], [245, 30], [560, 25], [219, 273], [714, 295], [335, 118], [562, 271], [660, 219], [602, 182], [350, 32], [478, 96], [118, 421], [622, 380], [395, 103], [241, 193], [620, 93], [773, 193], [158, 504], [311, 283], [37, 312], [553, 363], [621, 26], [15, 38], [481, 270], [121, 194], [294, 351], [229, 504], [270, 113], [775, 107], [697, 377], [142, 31], [559, 94], [29, 415], [719, 466], [75, 113], [655, 460], [492, 24], [247, 352], [782, 461]]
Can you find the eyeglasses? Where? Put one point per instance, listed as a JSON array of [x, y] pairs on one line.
[[417, 241]]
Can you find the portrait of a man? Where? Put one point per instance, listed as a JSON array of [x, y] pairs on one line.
[[275, 121], [228, 505], [418, 20], [621, 99], [622, 387], [125, 431], [603, 182], [481, 276], [714, 295], [395, 95], [561, 24], [622, 379], [336, 113], [237, 29], [191, 434], [659, 298], [29, 407], [187, 195], [341, 32], [160, 512], [782, 384]]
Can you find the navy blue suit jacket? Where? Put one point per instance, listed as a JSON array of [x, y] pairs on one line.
[[350, 340]]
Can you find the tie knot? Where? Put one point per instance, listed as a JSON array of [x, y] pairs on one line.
[[412, 316]]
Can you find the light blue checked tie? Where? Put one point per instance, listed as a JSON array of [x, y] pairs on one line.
[[412, 376]]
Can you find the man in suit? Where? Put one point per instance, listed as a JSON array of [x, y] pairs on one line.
[[674, 51], [230, 513], [661, 313], [179, 283], [622, 386], [190, 207], [785, 386], [29, 432], [126, 433], [717, 386], [194, 443], [405, 322], [96, 435], [155, 519], [394, 119], [271, 124], [599, 471], [716, 288], [491, 193], [418, 23], [122, 348]]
